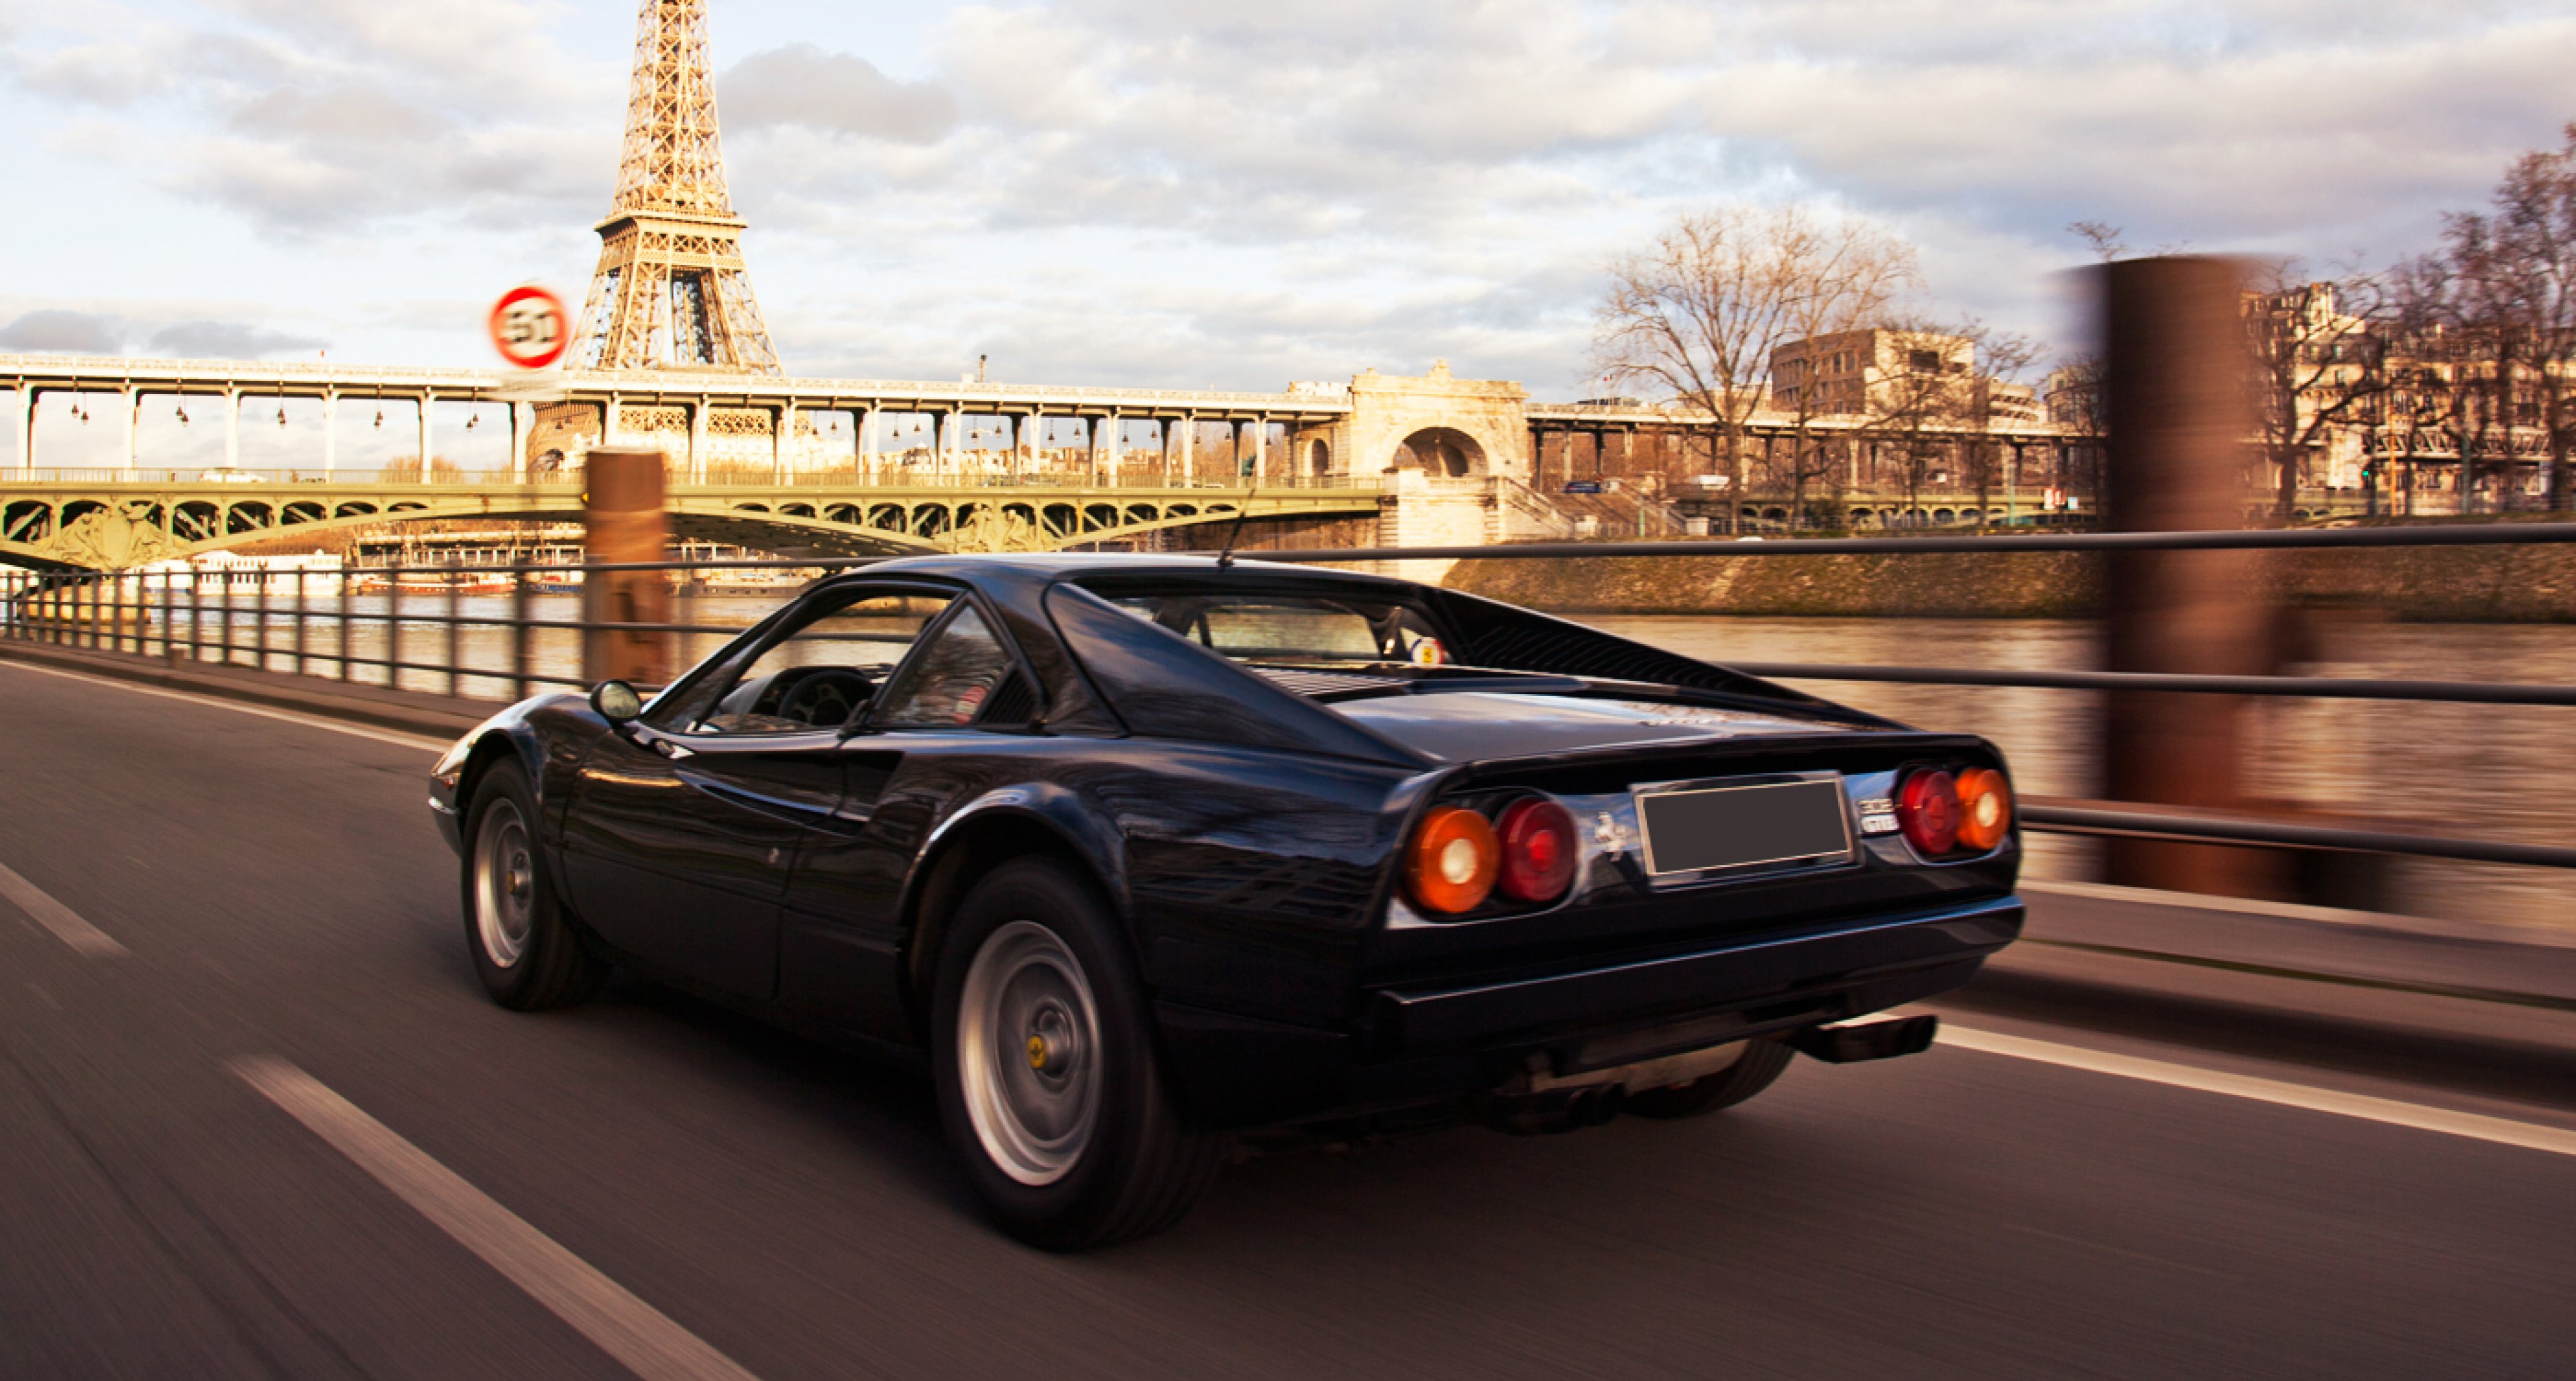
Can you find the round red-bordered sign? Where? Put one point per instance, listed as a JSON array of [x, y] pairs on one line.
[[530, 327]]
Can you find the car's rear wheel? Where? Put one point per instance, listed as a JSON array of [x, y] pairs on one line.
[[1049, 1085], [1754, 1070], [524, 946]]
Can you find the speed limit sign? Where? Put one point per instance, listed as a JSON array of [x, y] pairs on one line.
[[530, 327]]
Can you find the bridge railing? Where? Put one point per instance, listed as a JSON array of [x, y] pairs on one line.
[[493, 631], [1134, 472], [503, 631]]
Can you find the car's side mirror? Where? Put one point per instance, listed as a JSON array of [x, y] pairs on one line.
[[616, 702]]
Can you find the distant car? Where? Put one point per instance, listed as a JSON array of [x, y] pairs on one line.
[[1150, 851], [226, 474]]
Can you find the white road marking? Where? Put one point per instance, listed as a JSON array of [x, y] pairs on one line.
[[310, 721], [626, 1328], [66, 923], [2475, 1126]]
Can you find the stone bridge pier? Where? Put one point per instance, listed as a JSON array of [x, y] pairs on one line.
[[1444, 448], [1442, 426]]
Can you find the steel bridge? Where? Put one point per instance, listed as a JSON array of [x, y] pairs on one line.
[[696, 408], [105, 520]]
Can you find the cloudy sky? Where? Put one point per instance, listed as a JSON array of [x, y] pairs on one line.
[[1219, 192]]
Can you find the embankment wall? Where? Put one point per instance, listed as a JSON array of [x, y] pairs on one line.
[[2504, 584]]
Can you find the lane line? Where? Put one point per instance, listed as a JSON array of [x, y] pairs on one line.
[[2476, 1126], [64, 922], [310, 721], [626, 1328]]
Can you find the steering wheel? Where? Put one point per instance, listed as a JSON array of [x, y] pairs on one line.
[[826, 699]]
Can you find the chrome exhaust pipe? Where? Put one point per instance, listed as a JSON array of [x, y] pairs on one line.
[[1882, 1038]]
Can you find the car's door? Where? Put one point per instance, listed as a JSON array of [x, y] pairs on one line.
[[686, 823], [939, 732]]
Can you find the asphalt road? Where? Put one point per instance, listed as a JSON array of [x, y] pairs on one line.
[[278, 893]]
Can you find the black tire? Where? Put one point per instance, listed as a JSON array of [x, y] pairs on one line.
[[1752, 1072], [549, 966], [1132, 1164]]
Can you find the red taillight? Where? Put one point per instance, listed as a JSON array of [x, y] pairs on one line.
[[1453, 861], [1985, 808], [1539, 849], [1928, 811]]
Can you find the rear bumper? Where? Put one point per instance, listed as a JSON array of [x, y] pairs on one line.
[[1415, 1045]]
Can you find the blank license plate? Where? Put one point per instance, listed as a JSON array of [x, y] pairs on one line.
[[1743, 826]]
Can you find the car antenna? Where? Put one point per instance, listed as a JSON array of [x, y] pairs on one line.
[[1225, 558]]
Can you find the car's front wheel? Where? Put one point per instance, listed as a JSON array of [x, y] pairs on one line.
[[1049, 1086], [524, 946]]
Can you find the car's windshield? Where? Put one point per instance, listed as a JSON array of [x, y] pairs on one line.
[[1291, 628]]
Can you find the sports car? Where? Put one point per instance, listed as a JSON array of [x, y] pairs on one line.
[[1155, 855]]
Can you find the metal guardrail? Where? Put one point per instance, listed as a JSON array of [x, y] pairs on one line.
[[2121, 819], [2428, 535], [2132, 821], [2321, 687], [117, 612], [269, 619]]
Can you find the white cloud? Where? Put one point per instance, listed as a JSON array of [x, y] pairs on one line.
[[66, 331], [836, 93], [228, 340], [1239, 191]]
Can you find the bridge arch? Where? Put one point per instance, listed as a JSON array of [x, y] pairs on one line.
[[1442, 453]]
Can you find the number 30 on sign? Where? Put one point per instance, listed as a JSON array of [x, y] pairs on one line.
[[530, 328]]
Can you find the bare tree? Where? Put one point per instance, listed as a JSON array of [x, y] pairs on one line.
[[2001, 358], [1933, 398], [2310, 355], [2104, 238], [1695, 319], [2515, 265]]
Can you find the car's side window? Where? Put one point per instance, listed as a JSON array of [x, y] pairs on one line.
[[963, 672], [817, 673]]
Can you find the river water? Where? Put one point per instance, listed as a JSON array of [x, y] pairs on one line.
[[2494, 771]]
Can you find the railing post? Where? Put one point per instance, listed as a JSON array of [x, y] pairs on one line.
[[623, 512], [196, 614], [302, 598], [393, 619], [259, 612], [455, 618], [519, 632], [340, 613], [2177, 411]]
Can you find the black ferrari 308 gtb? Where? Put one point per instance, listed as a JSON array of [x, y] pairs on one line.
[[1148, 852]]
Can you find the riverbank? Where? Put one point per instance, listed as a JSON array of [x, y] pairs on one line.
[[2500, 584]]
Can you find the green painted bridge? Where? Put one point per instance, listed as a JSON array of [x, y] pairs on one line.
[[114, 519]]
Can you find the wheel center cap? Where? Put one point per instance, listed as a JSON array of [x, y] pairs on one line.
[[1038, 1052]]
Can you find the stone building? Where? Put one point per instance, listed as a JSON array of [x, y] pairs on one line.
[[1875, 371]]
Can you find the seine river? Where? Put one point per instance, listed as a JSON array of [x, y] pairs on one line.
[[2496, 771]]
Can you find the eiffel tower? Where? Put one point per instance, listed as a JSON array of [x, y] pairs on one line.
[[671, 292]]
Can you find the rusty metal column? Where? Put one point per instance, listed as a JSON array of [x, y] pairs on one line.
[[623, 509], [2178, 420]]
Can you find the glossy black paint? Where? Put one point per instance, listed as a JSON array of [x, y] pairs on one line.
[[1249, 838]]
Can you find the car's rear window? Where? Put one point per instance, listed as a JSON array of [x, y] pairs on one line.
[[1274, 628]]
